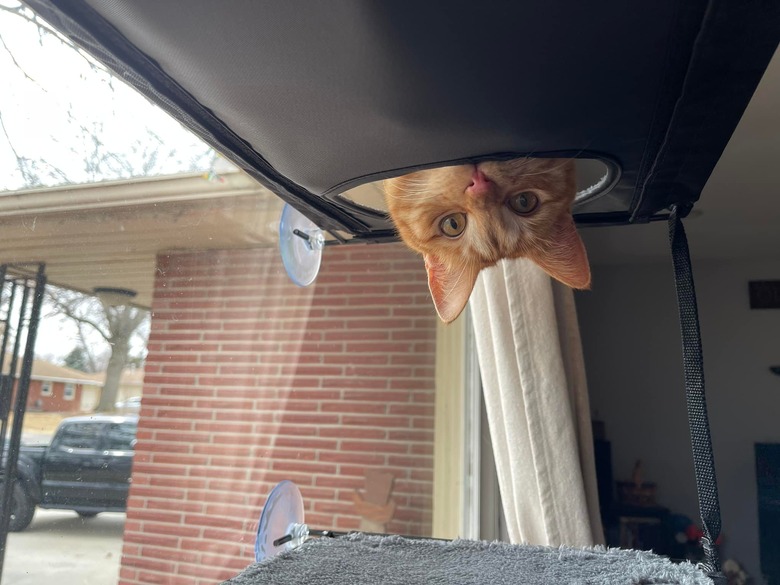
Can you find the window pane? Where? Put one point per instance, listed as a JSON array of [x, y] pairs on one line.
[[80, 436], [120, 437], [248, 379], [70, 391]]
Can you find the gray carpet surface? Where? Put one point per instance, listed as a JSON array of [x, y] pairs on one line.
[[359, 559]]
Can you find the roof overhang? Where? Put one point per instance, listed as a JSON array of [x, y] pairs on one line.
[[109, 234]]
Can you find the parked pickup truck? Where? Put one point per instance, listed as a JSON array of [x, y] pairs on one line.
[[86, 467]]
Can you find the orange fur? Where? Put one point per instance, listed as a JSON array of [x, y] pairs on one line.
[[419, 201]]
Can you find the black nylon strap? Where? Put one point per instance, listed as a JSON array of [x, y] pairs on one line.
[[703, 460]]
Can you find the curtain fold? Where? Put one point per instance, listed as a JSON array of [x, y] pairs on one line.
[[533, 377]]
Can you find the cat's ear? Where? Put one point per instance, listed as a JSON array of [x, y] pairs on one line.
[[450, 286], [567, 260]]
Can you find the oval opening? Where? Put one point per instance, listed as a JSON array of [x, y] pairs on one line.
[[595, 177]]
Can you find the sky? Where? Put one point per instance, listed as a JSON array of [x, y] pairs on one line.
[[53, 102]]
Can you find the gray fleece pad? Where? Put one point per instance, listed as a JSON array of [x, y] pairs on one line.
[[359, 559]]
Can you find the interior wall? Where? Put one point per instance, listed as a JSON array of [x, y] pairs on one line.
[[632, 349]]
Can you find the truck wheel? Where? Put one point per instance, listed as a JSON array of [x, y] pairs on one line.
[[22, 509]]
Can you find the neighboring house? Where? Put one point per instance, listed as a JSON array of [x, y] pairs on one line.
[[59, 389], [56, 388]]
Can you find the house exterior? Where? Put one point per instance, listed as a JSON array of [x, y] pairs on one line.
[[61, 389], [251, 380]]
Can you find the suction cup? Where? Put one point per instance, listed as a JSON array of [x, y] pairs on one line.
[[301, 243], [281, 525]]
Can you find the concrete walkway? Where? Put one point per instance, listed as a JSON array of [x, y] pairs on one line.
[[61, 547]]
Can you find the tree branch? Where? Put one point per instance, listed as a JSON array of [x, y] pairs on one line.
[[70, 308]]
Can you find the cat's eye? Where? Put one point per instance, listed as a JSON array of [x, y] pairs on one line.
[[453, 225], [523, 203]]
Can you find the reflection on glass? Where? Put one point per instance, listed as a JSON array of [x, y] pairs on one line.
[[64, 119], [247, 379]]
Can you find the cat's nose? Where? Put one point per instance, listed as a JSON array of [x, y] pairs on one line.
[[480, 185]]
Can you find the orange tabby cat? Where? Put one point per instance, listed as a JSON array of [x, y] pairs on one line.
[[466, 218]]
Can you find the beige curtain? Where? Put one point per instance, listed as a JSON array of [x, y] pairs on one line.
[[533, 376]]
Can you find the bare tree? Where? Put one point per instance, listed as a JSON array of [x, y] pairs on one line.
[[87, 153], [144, 153], [116, 325]]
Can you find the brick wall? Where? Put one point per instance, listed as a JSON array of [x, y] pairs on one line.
[[251, 380]]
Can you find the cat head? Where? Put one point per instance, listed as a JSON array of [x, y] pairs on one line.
[[466, 218]]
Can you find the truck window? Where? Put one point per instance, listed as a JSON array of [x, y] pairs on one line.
[[79, 436], [120, 437]]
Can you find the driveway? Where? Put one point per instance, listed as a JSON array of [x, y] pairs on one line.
[[60, 545]]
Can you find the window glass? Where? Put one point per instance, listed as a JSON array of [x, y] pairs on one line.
[[79, 436], [247, 379], [120, 437], [70, 391], [46, 388]]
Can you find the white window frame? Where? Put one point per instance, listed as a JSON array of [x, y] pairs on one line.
[[47, 389], [466, 502], [70, 391]]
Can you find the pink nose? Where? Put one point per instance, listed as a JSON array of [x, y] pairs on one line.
[[480, 185]]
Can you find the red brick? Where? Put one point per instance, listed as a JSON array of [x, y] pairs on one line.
[[359, 383], [177, 482], [274, 477], [249, 379], [292, 430], [175, 459], [210, 496], [304, 467], [334, 507], [161, 517], [211, 521], [350, 483], [168, 554], [311, 395], [291, 454], [185, 413], [354, 407], [378, 335], [309, 418], [344, 358], [384, 347], [384, 396], [141, 491], [171, 504], [354, 458], [375, 446], [353, 432], [377, 421], [353, 313], [152, 535]]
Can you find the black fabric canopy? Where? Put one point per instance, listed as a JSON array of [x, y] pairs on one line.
[[314, 97]]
